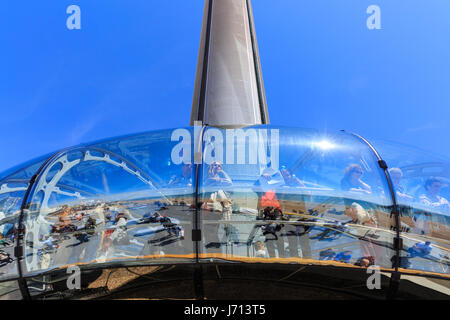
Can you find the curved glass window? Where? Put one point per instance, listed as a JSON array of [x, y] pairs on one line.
[[279, 194], [422, 186], [116, 201], [13, 186], [25, 170], [265, 194]]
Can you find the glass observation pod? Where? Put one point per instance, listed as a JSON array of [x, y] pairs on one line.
[[262, 194]]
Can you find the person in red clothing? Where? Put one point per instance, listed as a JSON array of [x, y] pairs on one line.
[[270, 209], [269, 199]]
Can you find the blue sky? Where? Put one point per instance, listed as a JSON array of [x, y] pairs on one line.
[[131, 68]]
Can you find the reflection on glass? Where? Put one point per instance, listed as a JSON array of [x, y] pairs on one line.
[[325, 201], [13, 187], [401, 193], [432, 198], [184, 179], [121, 200], [9, 290], [352, 180], [266, 194], [421, 182]]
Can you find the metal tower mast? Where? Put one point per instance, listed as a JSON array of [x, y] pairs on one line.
[[229, 89]]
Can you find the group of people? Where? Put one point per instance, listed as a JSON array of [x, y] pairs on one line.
[[82, 236], [217, 205], [281, 238], [353, 181], [98, 234], [278, 235], [430, 198]]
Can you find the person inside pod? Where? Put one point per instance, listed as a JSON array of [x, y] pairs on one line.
[[352, 180], [431, 197], [184, 179], [396, 177], [360, 215], [217, 206]]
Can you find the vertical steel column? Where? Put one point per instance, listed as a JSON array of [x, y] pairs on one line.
[[196, 228], [229, 90]]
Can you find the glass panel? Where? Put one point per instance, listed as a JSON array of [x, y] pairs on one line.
[[25, 170], [422, 183], [13, 187], [122, 200], [290, 195], [9, 290], [10, 203]]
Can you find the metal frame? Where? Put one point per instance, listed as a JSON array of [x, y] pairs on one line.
[[397, 244]]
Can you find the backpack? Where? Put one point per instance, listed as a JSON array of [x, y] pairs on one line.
[[273, 213]]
